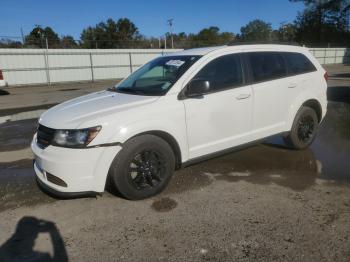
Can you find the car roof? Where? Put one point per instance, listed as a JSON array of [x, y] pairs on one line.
[[239, 47]]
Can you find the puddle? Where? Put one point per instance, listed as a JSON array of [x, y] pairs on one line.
[[18, 186], [260, 164], [332, 145], [328, 158], [16, 135], [164, 204]]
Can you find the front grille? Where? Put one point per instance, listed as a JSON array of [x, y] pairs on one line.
[[44, 136]]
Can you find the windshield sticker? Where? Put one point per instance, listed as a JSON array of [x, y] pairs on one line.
[[176, 63]]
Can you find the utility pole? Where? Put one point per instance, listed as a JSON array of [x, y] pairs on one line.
[[170, 23], [23, 40]]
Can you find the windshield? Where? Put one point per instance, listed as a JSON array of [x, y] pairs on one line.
[[156, 77]]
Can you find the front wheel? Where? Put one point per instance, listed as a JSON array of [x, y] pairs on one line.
[[304, 129], [143, 167]]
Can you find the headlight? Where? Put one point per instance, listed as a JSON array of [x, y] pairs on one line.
[[75, 137]]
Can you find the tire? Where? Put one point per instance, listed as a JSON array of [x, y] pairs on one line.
[[304, 129], [143, 167]]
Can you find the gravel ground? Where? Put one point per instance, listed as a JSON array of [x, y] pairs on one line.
[[263, 203]]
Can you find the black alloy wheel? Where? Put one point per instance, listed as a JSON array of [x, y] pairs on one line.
[[304, 129], [143, 167], [147, 169]]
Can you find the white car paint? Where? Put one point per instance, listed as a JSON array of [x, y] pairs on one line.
[[219, 121], [2, 83]]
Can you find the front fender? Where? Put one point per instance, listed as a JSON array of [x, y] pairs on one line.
[[174, 129]]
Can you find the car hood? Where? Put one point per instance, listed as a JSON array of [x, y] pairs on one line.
[[73, 113]]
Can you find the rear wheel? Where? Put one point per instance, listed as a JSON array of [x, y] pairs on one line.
[[304, 129], [143, 167]]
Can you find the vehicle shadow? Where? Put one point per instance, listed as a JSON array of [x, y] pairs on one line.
[[341, 75], [20, 246], [4, 92], [339, 94]]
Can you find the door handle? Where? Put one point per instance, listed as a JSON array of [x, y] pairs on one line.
[[292, 85], [242, 96]]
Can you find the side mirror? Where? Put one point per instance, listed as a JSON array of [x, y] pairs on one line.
[[197, 87]]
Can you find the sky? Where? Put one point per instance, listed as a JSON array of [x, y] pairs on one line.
[[70, 17]]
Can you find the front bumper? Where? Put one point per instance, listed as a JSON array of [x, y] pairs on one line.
[[63, 195], [81, 170]]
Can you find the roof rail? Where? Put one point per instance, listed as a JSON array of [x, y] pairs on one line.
[[271, 42]]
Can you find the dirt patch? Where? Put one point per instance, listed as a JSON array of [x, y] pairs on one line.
[[164, 204]]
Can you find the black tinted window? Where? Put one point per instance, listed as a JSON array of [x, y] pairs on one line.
[[223, 72], [267, 65], [298, 63]]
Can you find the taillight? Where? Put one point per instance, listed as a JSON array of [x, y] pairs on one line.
[[1, 76], [326, 76]]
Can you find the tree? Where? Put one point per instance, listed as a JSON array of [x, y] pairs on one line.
[[181, 40], [8, 43], [286, 32], [126, 30], [88, 38], [37, 37], [210, 36], [323, 22], [256, 30], [110, 34], [68, 42]]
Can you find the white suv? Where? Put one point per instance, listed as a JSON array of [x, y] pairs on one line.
[[175, 110]]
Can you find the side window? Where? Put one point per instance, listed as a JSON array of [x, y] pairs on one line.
[[222, 73], [267, 66], [298, 63]]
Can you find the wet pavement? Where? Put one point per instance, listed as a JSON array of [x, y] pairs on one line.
[[252, 181], [17, 135], [269, 162]]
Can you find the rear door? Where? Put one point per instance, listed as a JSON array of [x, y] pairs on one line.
[[273, 92]]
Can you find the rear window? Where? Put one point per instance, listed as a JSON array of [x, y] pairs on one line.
[[298, 64], [267, 66]]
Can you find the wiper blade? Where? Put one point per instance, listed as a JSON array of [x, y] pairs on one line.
[[130, 91], [112, 89]]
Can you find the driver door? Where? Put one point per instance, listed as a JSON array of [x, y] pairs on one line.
[[221, 118]]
